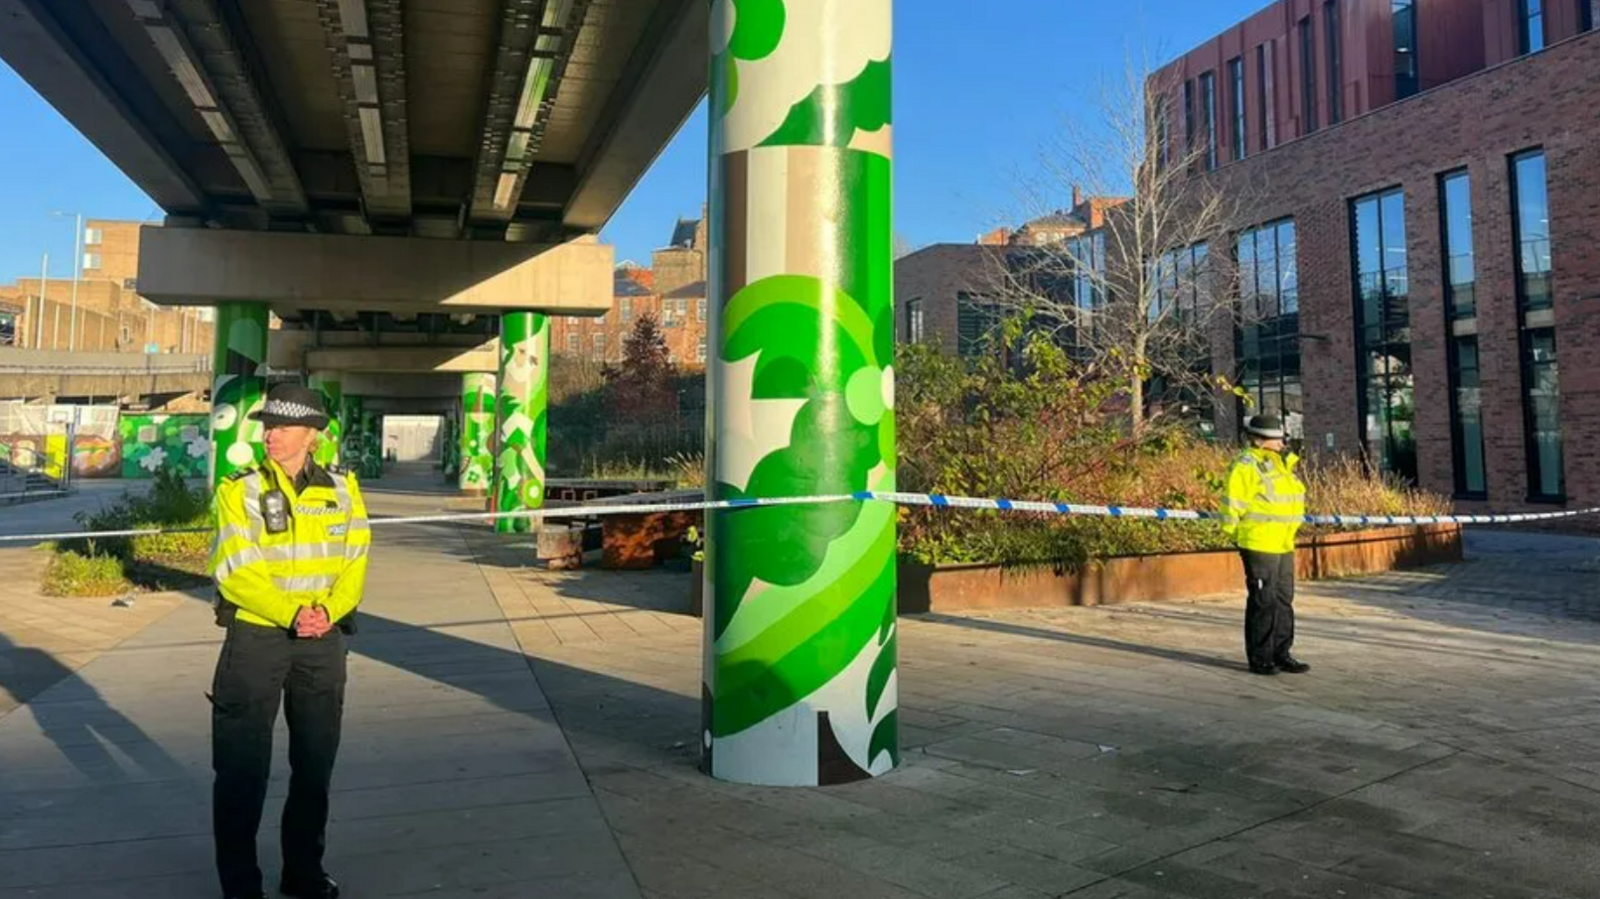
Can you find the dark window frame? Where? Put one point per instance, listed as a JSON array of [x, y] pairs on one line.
[[1334, 40], [1278, 332], [1308, 77], [1403, 465], [1188, 119], [1208, 106], [1408, 77], [1530, 428], [1263, 108], [915, 321], [1457, 370], [1238, 126], [1518, 243], [1532, 34], [1530, 334], [1586, 15]]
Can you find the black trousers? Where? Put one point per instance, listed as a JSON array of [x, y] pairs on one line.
[[259, 665], [1269, 611]]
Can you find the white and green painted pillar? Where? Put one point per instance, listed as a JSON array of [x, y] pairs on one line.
[[351, 419], [520, 415], [331, 389], [477, 433], [800, 681], [238, 388]]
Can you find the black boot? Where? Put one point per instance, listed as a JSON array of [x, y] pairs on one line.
[[1291, 665]]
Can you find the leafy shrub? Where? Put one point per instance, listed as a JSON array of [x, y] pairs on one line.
[[102, 566], [1032, 424]]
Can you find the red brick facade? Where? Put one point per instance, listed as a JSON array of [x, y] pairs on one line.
[[1547, 100]]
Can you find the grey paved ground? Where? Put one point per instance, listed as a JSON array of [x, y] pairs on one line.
[[453, 779], [1447, 744]]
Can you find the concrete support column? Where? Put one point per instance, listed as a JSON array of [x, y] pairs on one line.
[[332, 391], [238, 388], [520, 415], [477, 433], [800, 680]]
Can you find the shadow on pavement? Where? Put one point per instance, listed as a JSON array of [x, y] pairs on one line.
[[83, 724], [1020, 630]]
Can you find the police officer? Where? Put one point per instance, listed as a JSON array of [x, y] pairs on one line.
[[1264, 508], [290, 563]]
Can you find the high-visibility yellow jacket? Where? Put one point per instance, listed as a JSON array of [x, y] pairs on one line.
[[1265, 504], [321, 560]]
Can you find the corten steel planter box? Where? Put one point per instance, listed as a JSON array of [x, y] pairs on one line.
[[635, 542], [949, 588]]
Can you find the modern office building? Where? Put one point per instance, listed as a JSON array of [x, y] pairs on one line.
[[1421, 251]]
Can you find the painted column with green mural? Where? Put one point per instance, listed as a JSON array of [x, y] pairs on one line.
[[450, 451], [520, 415], [351, 418], [331, 390], [238, 388], [477, 432], [800, 677]]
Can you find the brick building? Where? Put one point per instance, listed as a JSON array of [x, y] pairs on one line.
[[1427, 244], [111, 316], [673, 290]]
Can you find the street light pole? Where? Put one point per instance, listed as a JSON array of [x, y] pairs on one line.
[[44, 281], [77, 275]]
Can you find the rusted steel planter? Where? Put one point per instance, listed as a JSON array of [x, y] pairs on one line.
[[948, 588]]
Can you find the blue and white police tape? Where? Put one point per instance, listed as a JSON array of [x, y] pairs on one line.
[[933, 500]]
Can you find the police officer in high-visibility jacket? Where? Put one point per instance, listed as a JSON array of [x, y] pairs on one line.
[[290, 563], [1263, 511]]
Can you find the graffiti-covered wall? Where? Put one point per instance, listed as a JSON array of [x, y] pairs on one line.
[[177, 443]]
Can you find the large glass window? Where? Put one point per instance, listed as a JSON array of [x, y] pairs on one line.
[[1208, 114], [1265, 109], [1236, 123], [977, 320], [1177, 277], [1533, 230], [1530, 20], [1163, 134], [1088, 253], [914, 321], [1330, 27], [1308, 76], [1461, 277], [1460, 288], [1383, 331], [1189, 133], [1407, 81], [1543, 409], [1268, 341]]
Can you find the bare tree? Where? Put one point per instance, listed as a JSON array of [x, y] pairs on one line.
[[902, 246], [1149, 284]]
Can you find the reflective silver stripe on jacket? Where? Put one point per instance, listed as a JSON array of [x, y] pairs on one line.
[[304, 583]]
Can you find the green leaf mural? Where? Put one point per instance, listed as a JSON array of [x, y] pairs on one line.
[[524, 391], [801, 681], [180, 444]]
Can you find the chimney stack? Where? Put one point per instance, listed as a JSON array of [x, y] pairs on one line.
[[1077, 196]]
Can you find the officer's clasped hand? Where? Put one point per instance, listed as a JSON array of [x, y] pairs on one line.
[[312, 623]]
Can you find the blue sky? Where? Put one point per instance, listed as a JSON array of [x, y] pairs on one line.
[[979, 88]]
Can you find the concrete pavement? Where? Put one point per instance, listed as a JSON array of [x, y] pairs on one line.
[[518, 732]]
